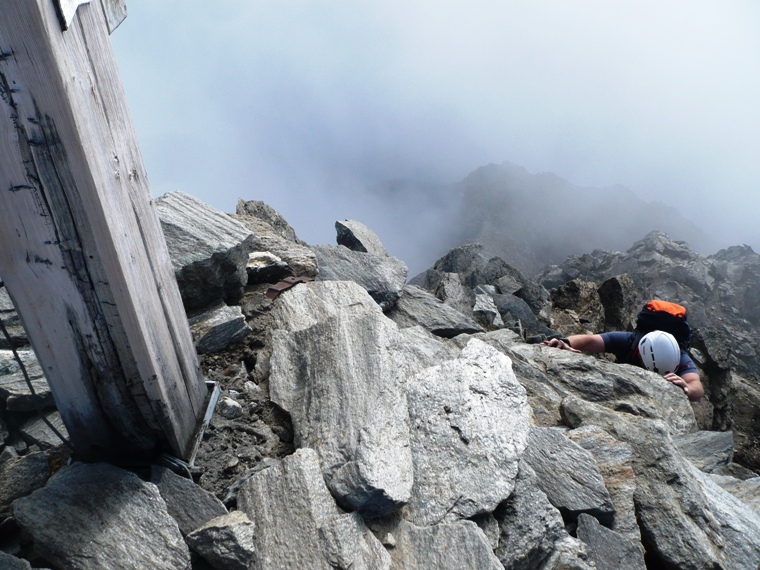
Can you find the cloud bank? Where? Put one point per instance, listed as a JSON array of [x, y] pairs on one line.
[[314, 107]]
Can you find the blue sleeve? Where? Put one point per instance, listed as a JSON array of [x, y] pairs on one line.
[[618, 343], [686, 365]]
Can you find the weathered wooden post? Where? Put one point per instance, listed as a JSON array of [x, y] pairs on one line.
[[81, 248]]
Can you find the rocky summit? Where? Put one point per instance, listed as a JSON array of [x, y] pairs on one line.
[[372, 421]]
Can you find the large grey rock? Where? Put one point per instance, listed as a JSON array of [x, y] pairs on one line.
[[209, 250], [187, 503], [332, 378], [382, 276], [486, 312], [621, 303], [747, 490], [273, 235], [298, 524], [568, 475], [707, 450], [453, 546], [470, 263], [266, 267], [100, 516], [13, 387], [533, 534], [463, 259], [418, 307], [469, 428], [554, 374], [454, 293], [686, 520], [358, 237], [742, 403], [272, 218], [615, 461], [225, 542], [608, 549], [20, 477], [216, 329], [9, 364], [577, 308], [9, 562], [308, 304], [518, 316]]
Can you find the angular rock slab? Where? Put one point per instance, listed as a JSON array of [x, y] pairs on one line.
[[13, 387], [568, 475], [36, 431], [617, 386], [469, 427], [382, 276], [262, 212], [608, 549], [358, 237], [218, 328], [310, 303], [413, 349], [225, 541], [298, 524], [687, 521], [208, 248], [8, 562], [456, 294], [9, 364], [485, 311], [187, 503], [21, 476], [707, 450], [100, 516], [339, 380], [747, 490], [418, 307], [273, 235], [533, 533], [615, 461], [265, 267], [455, 546]]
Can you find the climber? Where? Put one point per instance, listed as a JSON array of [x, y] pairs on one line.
[[652, 348]]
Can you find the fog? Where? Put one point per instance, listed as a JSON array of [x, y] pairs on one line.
[[314, 107]]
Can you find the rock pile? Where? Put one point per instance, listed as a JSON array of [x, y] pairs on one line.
[[367, 422]]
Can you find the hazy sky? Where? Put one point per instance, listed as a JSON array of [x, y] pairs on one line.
[[306, 104]]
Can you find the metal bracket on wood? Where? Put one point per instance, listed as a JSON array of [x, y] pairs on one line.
[[214, 390], [66, 10], [115, 11]]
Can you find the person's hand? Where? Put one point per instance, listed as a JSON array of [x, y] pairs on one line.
[[559, 343], [678, 381]]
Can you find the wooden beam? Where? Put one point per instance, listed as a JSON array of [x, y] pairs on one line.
[[82, 252]]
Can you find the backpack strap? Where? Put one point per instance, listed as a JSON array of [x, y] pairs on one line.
[[633, 350]]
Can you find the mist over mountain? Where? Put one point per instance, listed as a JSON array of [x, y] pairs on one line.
[[533, 220]]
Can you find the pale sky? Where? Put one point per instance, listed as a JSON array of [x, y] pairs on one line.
[[307, 104]]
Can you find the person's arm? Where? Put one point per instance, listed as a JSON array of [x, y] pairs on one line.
[[689, 382], [588, 343]]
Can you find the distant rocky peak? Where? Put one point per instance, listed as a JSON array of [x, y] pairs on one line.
[[659, 242]]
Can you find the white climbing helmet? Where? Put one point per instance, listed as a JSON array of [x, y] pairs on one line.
[[660, 352]]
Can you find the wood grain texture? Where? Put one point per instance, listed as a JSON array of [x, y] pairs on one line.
[[82, 251]]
